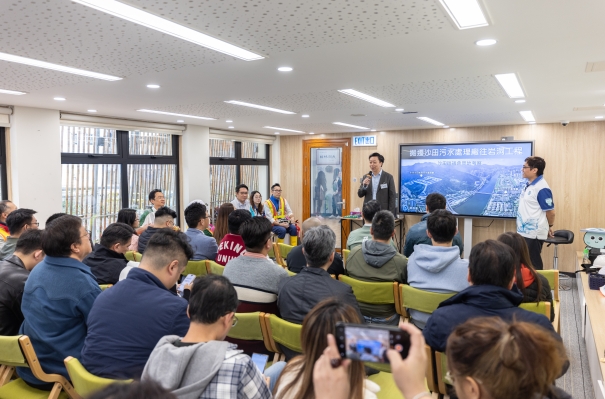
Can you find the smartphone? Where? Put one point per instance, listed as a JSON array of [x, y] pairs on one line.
[[370, 342], [260, 361], [181, 287]]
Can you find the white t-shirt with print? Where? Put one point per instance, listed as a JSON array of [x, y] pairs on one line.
[[536, 198]]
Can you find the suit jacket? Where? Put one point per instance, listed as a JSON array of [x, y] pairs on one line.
[[386, 197]]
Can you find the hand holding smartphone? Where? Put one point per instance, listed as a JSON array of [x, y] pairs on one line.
[[187, 280], [370, 343]]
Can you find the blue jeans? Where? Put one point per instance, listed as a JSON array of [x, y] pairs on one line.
[[281, 231], [274, 372], [391, 321]]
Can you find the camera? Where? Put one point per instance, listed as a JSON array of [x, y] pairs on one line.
[[564, 123]]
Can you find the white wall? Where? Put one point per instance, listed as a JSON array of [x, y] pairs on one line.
[[35, 157], [195, 170], [275, 164]]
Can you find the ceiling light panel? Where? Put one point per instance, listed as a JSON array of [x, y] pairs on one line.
[[528, 116], [152, 21], [466, 14], [353, 126], [151, 111], [281, 111], [281, 128], [431, 121], [366, 97], [510, 84], [55, 67], [16, 93]]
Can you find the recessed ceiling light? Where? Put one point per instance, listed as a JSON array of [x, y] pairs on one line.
[[429, 120], [305, 116], [175, 114], [16, 93], [446, 127], [229, 121], [365, 97], [348, 125], [152, 21], [180, 121], [519, 101], [231, 127], [55, 67], [284, 69], [510, 84], [92, 110], [281, 111], [276, 133], [311, 132], [153, 86], [528, 116], [598, 117], [465, 13], [399, 109], [486, 42], [281, 128], [59, 98]]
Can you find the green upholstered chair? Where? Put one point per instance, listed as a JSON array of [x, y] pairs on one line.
[[129, 256], [197, 267], [553, 280], [423, 301], [85, 383], [105, 286], [537, 307], [272, 252], [290, 273], [280, 331], [214, 268], [248, 327], [284, 250], [17, 351], [345, 255]]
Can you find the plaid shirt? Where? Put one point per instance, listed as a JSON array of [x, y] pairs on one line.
[[238, 377]]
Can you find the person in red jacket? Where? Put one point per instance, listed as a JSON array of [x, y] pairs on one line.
[[232, 245]]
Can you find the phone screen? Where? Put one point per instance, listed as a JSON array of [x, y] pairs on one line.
[[181, 287], [370, 343], [260, 361]]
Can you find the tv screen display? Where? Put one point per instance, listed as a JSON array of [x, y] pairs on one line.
[[477, 179]]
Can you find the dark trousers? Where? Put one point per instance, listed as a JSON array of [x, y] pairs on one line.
[[535, 249]]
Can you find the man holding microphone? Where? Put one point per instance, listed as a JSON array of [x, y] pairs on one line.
[[379, 185]]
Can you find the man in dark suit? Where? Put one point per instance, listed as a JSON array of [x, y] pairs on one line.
[[379, 185]]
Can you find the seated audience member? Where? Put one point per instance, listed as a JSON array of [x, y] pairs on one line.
[[54, 216], [128, 320], [376, 260], [129, 216], [254, 275], [241, 198], [57, 298], [221, 229], [18, 221], [232, 244], [209, 366], [14, 271], [533, 286], [491, 274], [163, 219], [437, 267], [134, 390], [417, 233], [299, 294], [357, 236], [296, 259], [6, 207], [157, 201], [197, 219], [296, 380], [107, 259]]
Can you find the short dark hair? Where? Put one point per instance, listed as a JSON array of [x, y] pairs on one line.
[[29, 242], [54, 216], [255, 232], [212, 297], [275, 185], [383, 225], [58, 236], [194, 213], [369, 209], [375, 154], [163, 212], [492, 263], [18, 219], [435, 201], [239, 186], [537, 163], [116, 233], [166, 245], [4, 205], [236, 218], [442, 225], [127, 216], [147, 389], [152, 193]]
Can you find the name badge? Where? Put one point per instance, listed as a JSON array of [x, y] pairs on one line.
[[384, 185]]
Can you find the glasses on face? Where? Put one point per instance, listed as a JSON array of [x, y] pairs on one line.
[[277, 191], [526, 167], [159, 198], [234, 321], [88, 233], [37, 224]]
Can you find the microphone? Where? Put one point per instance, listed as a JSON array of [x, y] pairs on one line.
[[369, 174]]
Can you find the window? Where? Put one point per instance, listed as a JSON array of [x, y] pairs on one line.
[[3, 175], [232, 163], [105, 170]]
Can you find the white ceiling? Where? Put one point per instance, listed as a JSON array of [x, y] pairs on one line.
[[406, 52]]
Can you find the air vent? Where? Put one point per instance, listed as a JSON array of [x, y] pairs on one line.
[[409, 112], [358, 114], [595, 66]]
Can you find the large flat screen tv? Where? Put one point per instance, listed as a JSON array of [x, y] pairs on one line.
[[478, 179]]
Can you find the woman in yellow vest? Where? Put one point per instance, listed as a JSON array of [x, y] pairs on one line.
[[279, 213]]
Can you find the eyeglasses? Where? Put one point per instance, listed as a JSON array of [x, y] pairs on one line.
[[277, 191], [450, 379], [88, 234], [526, 167], [37, 224], [234, 321], [160, 198]]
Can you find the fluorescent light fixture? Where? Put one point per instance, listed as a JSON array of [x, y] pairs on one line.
[[355, 126], [16, 93], [152, 21], [365, 97], [180, 121], [231, 127], [528, 116], [598, 117], [305, 116], [276, 133], [281, 128], [59, 98], [399, 109], [284, 69], [153, 86], [446, 127], [311, 132], [229, 121], [519, 101], [465, 13], [486, 42], [151, 111], [373, 130], [429, 120], [92, 110], [281, 111], [510, 84], [55, 67]]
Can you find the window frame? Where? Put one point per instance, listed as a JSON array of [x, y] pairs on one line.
[[238, 161], [4, 172]]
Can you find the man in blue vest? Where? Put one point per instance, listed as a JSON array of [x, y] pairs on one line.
[[280, 214]]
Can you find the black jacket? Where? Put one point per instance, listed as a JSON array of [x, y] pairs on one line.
[[386, 197], [531, 294], [145, 237], [105, 264], [13, 276], [296, 262]]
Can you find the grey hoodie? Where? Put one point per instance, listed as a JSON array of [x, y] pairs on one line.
[[186, 371], [376, 254]]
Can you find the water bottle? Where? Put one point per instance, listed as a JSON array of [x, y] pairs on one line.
[[585, 259]]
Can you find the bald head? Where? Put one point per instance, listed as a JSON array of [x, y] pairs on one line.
[[309, 224]]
